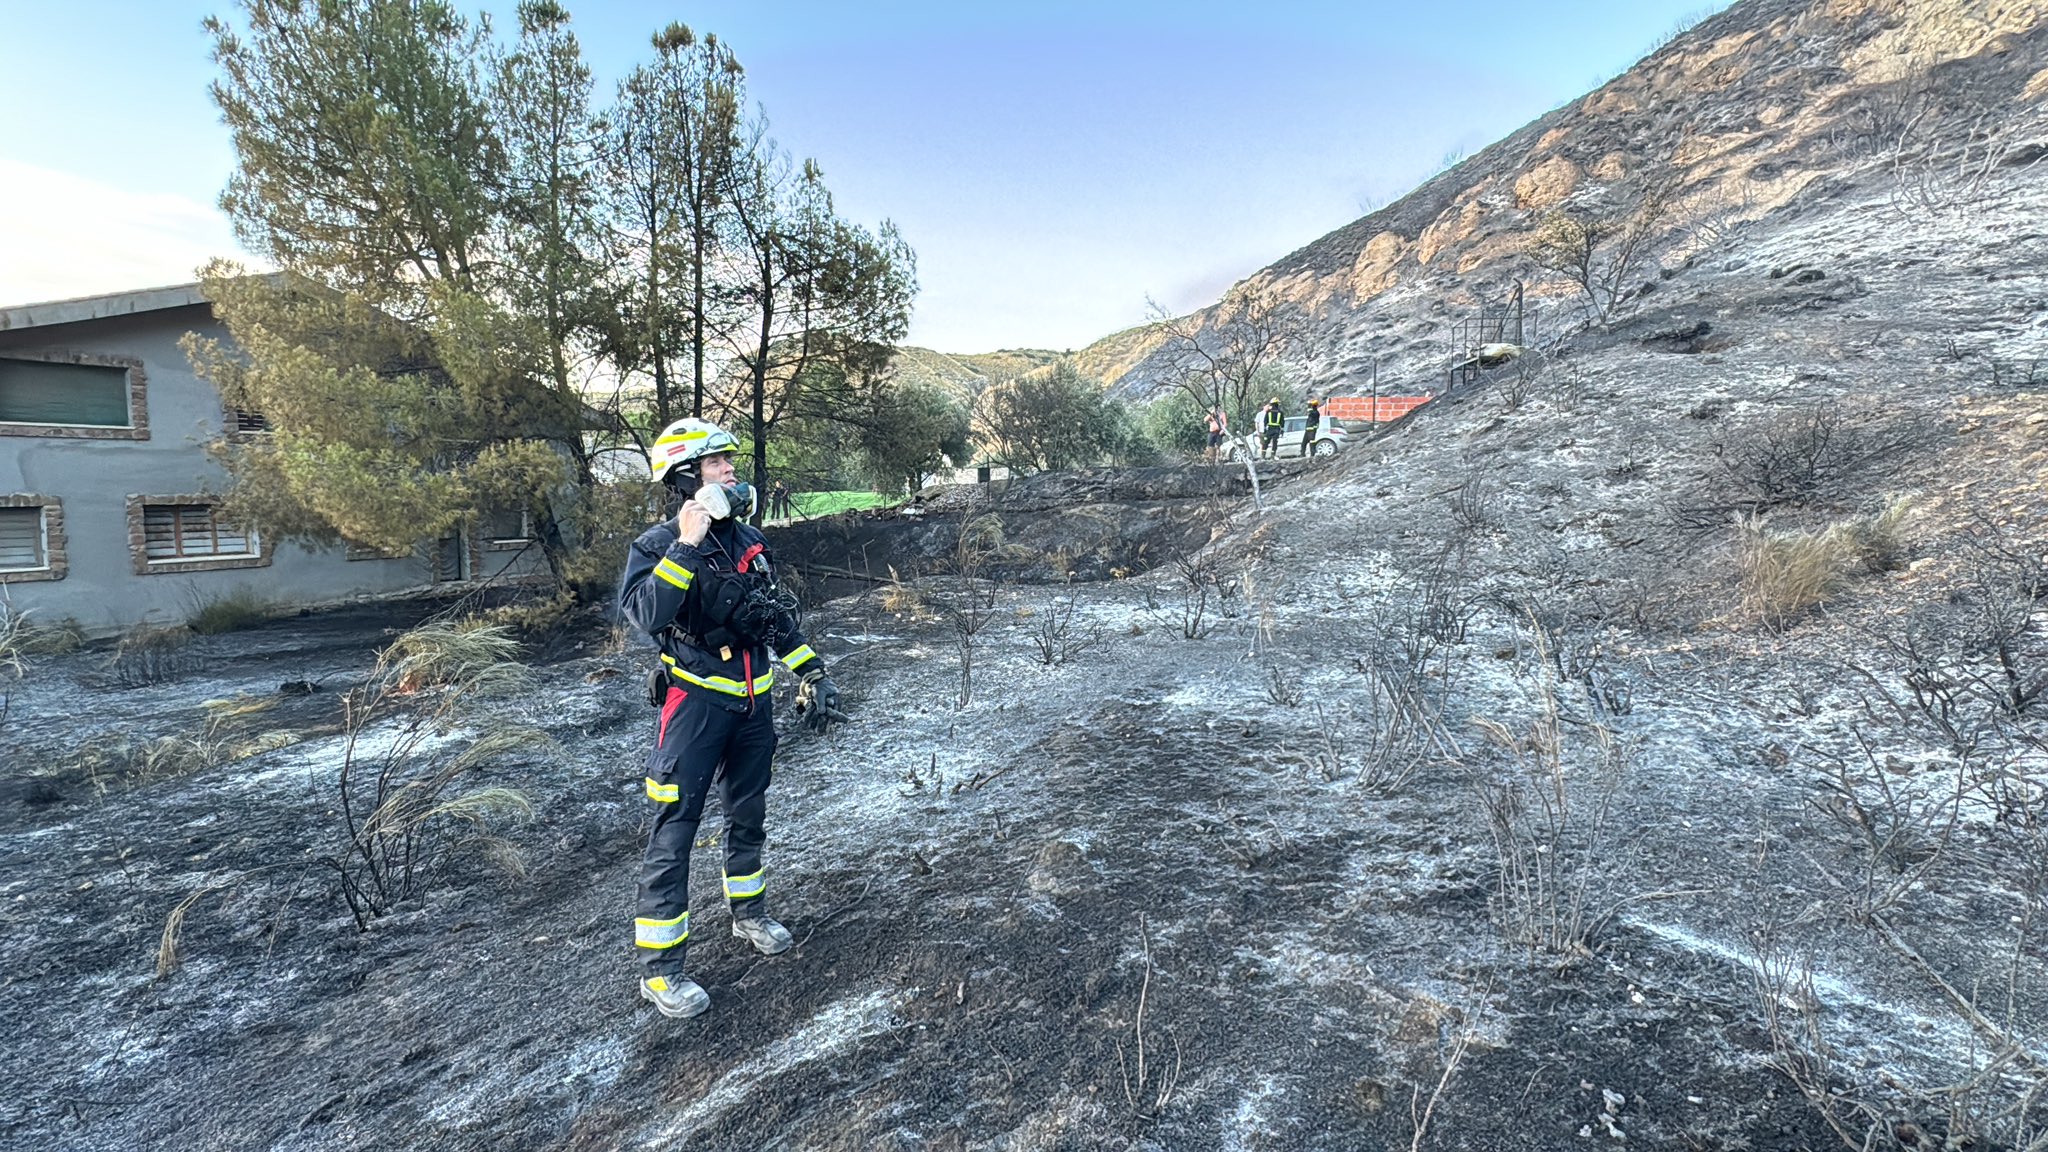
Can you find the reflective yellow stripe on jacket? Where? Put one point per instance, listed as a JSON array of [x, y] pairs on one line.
[[725, 684], [674, 573], [797, 659]]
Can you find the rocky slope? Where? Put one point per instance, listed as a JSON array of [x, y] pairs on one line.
[[1770, 113]]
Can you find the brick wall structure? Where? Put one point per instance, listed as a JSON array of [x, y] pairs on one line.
[[1372, 410]]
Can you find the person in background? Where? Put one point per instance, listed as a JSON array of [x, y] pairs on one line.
[[1219, 427], [1314, 425], [1272, 418]]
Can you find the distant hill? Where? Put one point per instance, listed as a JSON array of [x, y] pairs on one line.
[[1769, 112], [965, 376]]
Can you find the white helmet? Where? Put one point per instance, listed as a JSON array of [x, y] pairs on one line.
[[686, 441]]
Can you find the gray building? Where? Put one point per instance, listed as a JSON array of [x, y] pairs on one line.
[[110, 504]]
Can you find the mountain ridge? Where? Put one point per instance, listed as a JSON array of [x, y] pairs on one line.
[[1767, 107]]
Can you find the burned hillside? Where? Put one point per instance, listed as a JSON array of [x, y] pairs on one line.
[[1768, 112]]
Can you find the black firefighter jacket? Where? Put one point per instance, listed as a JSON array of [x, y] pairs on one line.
[[666, 593]]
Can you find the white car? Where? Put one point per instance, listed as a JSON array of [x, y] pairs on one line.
[[1330, 438]]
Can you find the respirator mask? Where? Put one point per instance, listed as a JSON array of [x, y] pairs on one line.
[[725, 501]]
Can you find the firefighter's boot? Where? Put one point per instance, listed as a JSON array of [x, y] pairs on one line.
[[675, 996], [768, 937]]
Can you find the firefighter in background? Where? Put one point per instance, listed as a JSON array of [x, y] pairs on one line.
[[1272, 418], [703, 586], [1314, 425]]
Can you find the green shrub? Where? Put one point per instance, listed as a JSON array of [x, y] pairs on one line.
[[1173, 423], [605, 519]]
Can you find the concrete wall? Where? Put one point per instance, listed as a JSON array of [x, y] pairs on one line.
[[94, 478]]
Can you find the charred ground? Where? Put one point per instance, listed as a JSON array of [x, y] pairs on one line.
[[1645, 738]]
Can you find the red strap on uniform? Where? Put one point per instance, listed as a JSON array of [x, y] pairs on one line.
[[676, 696], [747, 557]]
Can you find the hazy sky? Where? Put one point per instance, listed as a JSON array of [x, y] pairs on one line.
[[1053, 163]]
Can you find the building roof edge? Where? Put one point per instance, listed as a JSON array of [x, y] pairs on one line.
[[102, 307]]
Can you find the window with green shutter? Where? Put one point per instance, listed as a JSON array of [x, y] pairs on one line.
[[72, 395], [22, 544]]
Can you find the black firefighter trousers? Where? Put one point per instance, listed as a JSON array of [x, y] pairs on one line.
[[701, 739]]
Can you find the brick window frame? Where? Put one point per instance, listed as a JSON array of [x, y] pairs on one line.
[[55, 561], [234, 425], [138, 398], [138, 541]]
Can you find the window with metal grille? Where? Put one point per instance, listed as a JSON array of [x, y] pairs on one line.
[[507, 527], [247, 421], [191, 532], [23, 547], [74, 395]]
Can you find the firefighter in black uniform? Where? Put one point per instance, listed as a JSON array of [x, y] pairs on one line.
[[1272, 418], [703, 586], [1309, 430]]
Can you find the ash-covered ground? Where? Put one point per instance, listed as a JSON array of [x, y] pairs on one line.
[[1486, 788], [984, 894], [1474, 810]]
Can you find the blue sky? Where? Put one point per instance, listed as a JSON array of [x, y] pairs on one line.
[[1053, 163]]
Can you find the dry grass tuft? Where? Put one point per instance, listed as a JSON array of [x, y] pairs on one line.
[[479, 658], [1786, 574], [14, 637], [151, 654], [1883, 540], [237, 610], [13, 662], [397, 793], [168, 956], [32, 639], [533, 620], [902, 599]]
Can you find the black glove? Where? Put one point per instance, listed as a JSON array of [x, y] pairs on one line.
[[817, 702]]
